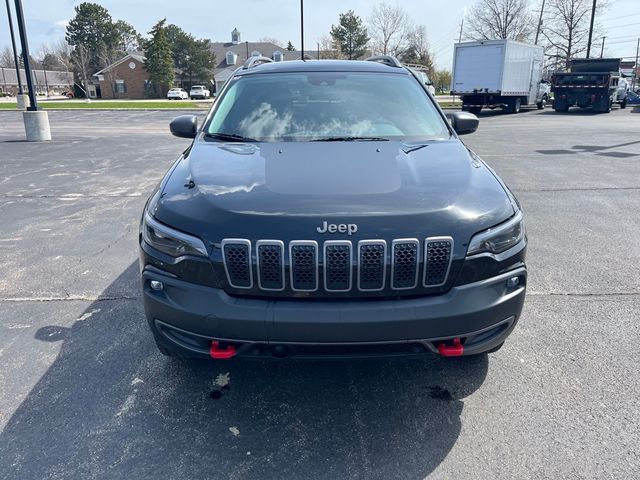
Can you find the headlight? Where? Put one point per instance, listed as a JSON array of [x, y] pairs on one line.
[[499, 238], [170, 241]]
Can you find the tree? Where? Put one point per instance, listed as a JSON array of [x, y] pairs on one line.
[[158, 58], [290, 47], [273, 40], [499, 19], [200, 60], [129, 39], [6, 58], [82, 60], [350, 35], [193, 57], [389, 27], [417, 50], [328, 48], [441, 81], [93, 28], [566, 28]]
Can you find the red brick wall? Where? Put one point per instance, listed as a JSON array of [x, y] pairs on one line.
[[133, 79]]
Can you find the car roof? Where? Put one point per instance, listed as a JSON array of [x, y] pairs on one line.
[[295, 66]]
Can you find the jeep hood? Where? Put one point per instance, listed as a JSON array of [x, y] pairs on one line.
[[286, 190]]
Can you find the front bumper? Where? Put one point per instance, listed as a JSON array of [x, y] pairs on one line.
[[188, 317]]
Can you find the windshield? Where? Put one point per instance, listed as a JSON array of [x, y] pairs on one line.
[[326, 105], [197, 87]]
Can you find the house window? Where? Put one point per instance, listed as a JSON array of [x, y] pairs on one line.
[[231, 58], [278, 56], [120, 87]]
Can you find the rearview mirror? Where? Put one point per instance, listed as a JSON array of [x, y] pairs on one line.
[[463, 122], [185, 126]]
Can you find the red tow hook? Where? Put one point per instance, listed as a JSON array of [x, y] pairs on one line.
[[221, 353], [454, 350]]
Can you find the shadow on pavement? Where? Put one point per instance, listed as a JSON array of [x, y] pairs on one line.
[[111, 406]]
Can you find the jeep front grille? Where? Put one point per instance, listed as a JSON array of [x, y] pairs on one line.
[[372, 263], [337, 266], [237, 258], [270, 264], [303, 266], [437, 260], [404, 264]]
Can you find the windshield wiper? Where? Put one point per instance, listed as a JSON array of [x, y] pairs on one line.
[[351, 139], [230, 137]]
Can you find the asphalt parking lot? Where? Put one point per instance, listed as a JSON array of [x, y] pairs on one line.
[[85, 394]]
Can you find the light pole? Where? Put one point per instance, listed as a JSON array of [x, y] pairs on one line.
[[15, 57], [602, 48], [36, 123], [302, 29]]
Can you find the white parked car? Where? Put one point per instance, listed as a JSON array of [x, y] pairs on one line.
[[177, 94], [199, 91], [424, 78]]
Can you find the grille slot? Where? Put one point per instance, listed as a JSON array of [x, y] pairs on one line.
[[237, 262], [437, 260], [337, 266], [404, 263], [270, 263], [304, 265], [372, 259]]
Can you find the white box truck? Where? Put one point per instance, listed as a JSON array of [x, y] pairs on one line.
[[498, 74]]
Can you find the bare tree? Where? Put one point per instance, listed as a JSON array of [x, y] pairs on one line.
[[499, 19], [82, 60], [6, 58], [389, 27], [566, 29], [328, 48], [417, 50], [273, 40]]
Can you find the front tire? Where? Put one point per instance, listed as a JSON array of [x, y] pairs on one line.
[[542, 103]]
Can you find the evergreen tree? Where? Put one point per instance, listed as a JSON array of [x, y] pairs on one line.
[[158, 58], [290, 47], [350, 35]]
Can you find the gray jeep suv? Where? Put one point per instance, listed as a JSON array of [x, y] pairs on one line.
[[329, 209]]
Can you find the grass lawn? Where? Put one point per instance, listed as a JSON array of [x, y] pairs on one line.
[[109, 105]]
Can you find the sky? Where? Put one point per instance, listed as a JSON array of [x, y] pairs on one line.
[[280, 19]]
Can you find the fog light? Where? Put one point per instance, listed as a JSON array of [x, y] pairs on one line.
[[513, 282], [156, 285]]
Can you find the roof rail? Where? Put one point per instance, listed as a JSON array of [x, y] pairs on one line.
[[255, 61], [386, 59]]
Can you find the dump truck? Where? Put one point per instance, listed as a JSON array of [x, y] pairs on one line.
[[590, 83]]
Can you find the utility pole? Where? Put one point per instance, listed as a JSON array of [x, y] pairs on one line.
[[539, 23], [602, 48], [593, 14], [636, 68], [461, 25], [302, 30], [15, 51]]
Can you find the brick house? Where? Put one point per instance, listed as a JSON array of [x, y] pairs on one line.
[[126, 78]]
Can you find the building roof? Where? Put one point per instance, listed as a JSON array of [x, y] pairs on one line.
[[139, 56], [53, 78]]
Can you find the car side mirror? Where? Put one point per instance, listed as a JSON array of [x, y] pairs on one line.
[[184, 126], [463, 122]]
